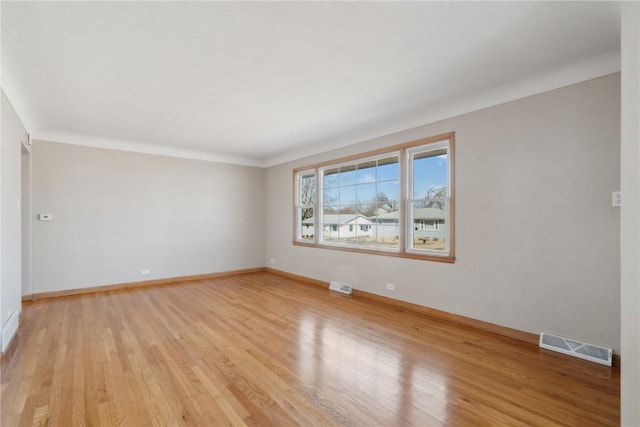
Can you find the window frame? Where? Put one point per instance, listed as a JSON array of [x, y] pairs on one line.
[[320, 173], [409, 216], [299, 205], [405, 152]]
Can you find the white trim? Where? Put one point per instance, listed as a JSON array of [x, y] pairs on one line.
[[596, 66], [143, 148]]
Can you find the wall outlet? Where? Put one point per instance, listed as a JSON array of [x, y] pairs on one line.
[[616, 199], [272, 261], [146, 272], [391, 286]]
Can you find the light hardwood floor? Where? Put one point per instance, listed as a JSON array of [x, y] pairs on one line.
[[260, 349]]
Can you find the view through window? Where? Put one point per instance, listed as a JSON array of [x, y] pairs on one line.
[[396, 201]]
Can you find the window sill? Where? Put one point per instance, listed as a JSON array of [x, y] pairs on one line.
[[449, 259]]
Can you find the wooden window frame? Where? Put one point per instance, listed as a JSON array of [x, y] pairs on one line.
[[403, 250], [298, 205]]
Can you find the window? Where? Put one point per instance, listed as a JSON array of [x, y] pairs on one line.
[[396, 201], [305, 202], [428, 172], [354, 193]]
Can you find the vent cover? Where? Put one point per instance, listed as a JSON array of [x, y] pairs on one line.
[[576, 348], [341, 287]]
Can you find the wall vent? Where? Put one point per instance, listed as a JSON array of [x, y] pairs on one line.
[[341, 287], [583, 350]]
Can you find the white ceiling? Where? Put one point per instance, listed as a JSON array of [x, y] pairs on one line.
[[260, 83]]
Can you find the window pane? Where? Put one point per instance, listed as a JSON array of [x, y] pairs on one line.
[[358, 231], [388, 169], [348, 195], [348, 175], [343, 228], [331, 178], [366, 208], [366, 194], [388, 196], [430, 174], [366, 172], [331, 196], [386, 234], [330, 222], [429, 225], [339, 227], [330, 210], [306, 199], [306, 224], [307, 190], [385, 231]]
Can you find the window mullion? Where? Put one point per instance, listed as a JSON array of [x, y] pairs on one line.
[[319, 207], [404, 188]]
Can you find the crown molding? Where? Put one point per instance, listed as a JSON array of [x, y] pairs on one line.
[[572, 73], [142, 147]]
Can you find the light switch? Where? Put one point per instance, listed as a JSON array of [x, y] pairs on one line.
[[616, 199], [45, 217]]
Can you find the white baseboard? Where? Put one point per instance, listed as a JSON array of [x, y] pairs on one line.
[[9, 329]]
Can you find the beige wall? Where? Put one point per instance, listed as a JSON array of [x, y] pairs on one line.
[[116, 213], [10, 222], [630, 216], [537, 241]]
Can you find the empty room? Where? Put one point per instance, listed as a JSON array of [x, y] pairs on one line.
[[320, 213]]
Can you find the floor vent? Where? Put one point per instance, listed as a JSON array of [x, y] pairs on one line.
[[576, 348], [341, 287]]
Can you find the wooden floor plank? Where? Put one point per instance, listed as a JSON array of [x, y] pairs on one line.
[[260, 349]]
